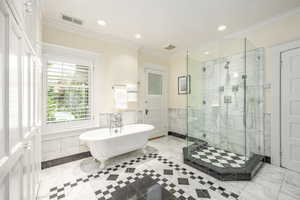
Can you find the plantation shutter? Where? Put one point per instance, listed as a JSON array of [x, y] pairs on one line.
[[68, 92]]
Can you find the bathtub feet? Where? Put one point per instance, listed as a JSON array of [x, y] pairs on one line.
[[102, 164], [144, 149]]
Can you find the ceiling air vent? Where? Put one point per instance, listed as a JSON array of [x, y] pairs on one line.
[[72, 19], [170, 47]]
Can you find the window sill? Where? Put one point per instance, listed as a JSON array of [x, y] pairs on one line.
[[59, 128]]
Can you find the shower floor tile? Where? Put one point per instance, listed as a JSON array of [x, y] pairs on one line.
[[219, 157]]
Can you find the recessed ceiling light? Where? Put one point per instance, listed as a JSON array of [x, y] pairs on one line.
[[222, 28], [101, 22], [206, 52], [137, 36]]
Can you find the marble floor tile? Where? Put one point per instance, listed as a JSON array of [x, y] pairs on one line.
[[292, 178], [83, 179], [283, 196], [290, 190], [254, 191]]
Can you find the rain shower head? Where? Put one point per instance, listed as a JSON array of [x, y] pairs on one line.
[[227, 65]]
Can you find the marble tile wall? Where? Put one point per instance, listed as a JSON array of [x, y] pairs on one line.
[[177, 120], [218, 120], [177, 123]]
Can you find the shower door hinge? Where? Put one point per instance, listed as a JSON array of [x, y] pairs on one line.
[[281, 63], [244, 76]]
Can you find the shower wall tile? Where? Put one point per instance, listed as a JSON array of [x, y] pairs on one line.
[[222, 123], [267, 133], [205, 127], [177, 120]]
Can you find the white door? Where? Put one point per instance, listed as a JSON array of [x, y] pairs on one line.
[[155, 106], [15, 157], [290, 109]]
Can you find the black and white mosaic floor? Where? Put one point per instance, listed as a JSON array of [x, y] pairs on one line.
[[218, 157], [163, 180], [160, 174]]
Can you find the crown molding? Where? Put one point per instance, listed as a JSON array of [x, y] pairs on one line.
[[245, 32], [257, 26], [82, 31]]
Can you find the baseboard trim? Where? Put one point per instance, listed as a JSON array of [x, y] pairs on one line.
[[176, 134], [66, 159], [267, 159]]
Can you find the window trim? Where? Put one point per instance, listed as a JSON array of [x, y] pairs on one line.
[[64, 54]]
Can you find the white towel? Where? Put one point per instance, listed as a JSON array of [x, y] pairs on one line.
[[120, 94]]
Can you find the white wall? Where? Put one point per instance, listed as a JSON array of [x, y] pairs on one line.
[[118, 64]]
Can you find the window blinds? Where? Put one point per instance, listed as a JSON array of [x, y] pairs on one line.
[[68, 92]]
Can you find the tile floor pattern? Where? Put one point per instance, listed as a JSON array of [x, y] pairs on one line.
[[169, 182], [218, 157], [160, 174]]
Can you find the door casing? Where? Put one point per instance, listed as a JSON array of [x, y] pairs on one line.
[[276, 99], [164, 71]]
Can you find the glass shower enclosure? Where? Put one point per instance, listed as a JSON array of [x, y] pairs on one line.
[[225, 109]]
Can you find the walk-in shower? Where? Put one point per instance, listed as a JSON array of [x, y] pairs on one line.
[[225, 110]]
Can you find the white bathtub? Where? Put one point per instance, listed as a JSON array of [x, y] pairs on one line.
[[103, 144]]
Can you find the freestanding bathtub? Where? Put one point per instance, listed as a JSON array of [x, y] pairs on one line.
[[104, 144]]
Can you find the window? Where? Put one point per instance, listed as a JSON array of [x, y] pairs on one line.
[[68, 86], [154, 84]]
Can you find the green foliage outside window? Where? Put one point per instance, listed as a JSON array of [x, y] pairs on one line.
[[68, 92]]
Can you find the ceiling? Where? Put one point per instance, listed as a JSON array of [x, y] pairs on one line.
[[184, 23]]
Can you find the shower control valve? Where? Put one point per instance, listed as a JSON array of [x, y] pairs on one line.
[[227, 99], [244, 76]]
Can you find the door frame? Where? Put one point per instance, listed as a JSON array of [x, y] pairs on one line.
[[164, 71], [276, 147]]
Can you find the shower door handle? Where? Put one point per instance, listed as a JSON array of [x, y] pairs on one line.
[[146, 111]]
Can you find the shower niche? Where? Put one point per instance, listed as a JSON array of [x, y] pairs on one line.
[[225, 134]]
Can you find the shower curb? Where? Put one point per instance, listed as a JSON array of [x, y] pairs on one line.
[[227, 174]]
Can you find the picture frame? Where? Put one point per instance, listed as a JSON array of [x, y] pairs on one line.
[[184, 84]]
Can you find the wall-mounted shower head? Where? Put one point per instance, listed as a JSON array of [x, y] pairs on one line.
[[227, 65]]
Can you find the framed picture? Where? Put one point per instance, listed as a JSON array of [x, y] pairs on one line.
[[184, 84]]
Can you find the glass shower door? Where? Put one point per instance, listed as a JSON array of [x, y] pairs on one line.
[[219, 108]]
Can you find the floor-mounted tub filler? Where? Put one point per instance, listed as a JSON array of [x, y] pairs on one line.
[[104, 143]]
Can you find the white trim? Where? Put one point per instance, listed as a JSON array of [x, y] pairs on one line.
[[165, 73], [276, 100], [66, 54]]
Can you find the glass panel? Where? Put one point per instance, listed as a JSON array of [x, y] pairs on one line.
[[216, 102], [32, 94], [2, 84], [225, 107], [14, 89], [25, 97], [154, 84], [254, 100]]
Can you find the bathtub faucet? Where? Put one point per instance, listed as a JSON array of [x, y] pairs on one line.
[[116, 122]]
